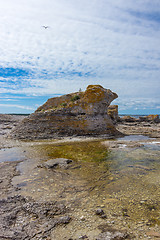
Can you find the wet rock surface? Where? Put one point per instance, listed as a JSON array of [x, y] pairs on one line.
[[62, 204], [151, 129], [7, 172], [145, 119], [61, 162], [109, 233], [8, 122], [22, 218]]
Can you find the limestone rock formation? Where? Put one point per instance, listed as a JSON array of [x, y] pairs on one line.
[[113, 112], [150, 118], [128, 119], [80, 113]]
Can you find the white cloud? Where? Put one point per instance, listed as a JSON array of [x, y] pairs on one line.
[[137, 103], [16, 106], [87, 42]]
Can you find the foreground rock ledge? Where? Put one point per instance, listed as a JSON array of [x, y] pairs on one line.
[[80, 113]]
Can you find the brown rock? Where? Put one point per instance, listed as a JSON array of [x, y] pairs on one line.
[[110, 233], [154, 118], [153, 234], [128, 119], [81, 113], [113, 112], [62, 162], [150, 118]]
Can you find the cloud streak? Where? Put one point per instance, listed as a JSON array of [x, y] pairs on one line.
[[16, 106], [115, 44]]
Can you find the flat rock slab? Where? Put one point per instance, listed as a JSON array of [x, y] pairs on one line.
[[111, 236], [61, 162], [153, 234], [25, 219], [109, 233]]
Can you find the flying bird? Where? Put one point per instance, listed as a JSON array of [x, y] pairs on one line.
[[45, 27]]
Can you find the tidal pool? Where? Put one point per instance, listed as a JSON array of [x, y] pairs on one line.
[[124, 182], [134, 138], [11, 154]]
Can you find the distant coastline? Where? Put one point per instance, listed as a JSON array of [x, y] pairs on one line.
[[136, 115], [120, 115], [17, 114]]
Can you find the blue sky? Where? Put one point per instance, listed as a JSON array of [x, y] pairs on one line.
[[112, 43]]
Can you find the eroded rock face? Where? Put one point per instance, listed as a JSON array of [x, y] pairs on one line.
[[113, 112], [150, 118], [81, 113]]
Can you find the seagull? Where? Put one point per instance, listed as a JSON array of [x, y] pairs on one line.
[[45, 27]]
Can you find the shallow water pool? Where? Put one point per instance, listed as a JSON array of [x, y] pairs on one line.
[[125, 183], [11, 154]]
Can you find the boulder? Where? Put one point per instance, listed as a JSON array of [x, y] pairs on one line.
[[61, 162], [80, 113]]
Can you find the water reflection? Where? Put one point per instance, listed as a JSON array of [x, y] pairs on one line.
[[11, 154], [152, 145], [134, 138]]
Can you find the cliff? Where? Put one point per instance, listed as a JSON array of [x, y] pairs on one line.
[[80, 113]]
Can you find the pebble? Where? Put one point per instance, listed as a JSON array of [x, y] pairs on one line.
[[83, 237], [99, 211], [82, 218]]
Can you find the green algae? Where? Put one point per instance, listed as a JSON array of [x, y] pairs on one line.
[[84, 151], [75, 98]]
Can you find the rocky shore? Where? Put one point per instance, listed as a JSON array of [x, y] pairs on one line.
[[26, 214], [146, 125]]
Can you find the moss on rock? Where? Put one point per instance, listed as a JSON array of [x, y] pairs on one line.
[[82, 113]]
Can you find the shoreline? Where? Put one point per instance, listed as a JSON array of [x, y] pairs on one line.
[[67, 217]]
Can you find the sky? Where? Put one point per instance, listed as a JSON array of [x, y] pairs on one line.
[[112, 43]]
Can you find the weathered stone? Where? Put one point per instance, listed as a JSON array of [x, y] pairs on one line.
[[62, 162], [82, 218], [23, 218], [129, 119], [150, 118], [64, 220], [8, 122], [117, 235], [140, 128], [99, 211], [83, 237], [153, 234], [113, 112], [81, 113], [109, 233]]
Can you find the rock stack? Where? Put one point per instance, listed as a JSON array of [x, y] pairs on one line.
[[80, 113]]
